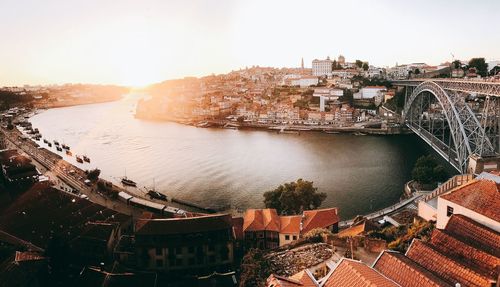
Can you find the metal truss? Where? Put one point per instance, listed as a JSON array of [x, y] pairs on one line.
[[469, 86], [443, 119]]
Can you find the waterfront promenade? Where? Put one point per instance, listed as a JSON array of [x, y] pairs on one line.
[[385, 211], [70, 178]]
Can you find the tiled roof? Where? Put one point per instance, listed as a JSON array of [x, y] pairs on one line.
[[290, 224], [479, 260], [357, 229], [261, 219], [319, 218], [481, 196], [474, 234], [354, 273], [405, 272], [304, 277], [183, 225], [445, 267], [280, 281]]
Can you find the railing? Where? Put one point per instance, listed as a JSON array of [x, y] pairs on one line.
[[453, 182]]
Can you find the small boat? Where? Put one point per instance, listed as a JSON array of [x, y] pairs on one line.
[[129, 182], [155, 194], [86, 158], [64, 146], [56, 142], [79, 159], [45, 141], [331, 132], [49, 144], [68, 152], [359, 134], [59, 148]]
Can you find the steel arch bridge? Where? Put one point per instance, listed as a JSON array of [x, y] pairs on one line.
[[457, 118]]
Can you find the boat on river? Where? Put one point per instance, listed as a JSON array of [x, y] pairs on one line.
[[79, 159], [127, 181], [68, 152], [86, 158]]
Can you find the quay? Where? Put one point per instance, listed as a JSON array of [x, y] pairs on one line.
[[70, 178]]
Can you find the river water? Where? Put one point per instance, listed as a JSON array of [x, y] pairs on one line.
[[218, 167]]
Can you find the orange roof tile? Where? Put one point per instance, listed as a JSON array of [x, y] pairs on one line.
[[319, 218], [481, 196], [280, 281], [304, 277], [357, 229], [354, 273], [479, 260], [290, 224], [446, 268], [474, 234], [261, 219], [405, 272]]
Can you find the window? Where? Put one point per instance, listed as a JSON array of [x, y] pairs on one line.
[[287, 237], [192, 261], [159, 263], [178, 250], [191, 249], [260, 235], [159, 251], [211, 258], [295, 237], [449, 211]]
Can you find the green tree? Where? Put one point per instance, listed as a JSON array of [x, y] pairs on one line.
[[254, 269], [428, 171], [456, 64], [480, 65], [365, 66], [294, 197], [359, 63], [93, 174]]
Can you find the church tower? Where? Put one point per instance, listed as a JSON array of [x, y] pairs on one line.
[[302, 63]]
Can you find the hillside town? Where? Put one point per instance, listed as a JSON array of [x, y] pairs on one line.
[[332, 93]]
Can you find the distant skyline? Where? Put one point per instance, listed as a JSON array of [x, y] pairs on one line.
[[142, 42]]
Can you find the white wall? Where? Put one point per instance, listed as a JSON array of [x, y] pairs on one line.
[[442, 219]]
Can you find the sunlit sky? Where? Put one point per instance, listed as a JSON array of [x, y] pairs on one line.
[[142, 42]]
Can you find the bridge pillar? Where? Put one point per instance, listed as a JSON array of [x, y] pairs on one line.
[[478, 164]]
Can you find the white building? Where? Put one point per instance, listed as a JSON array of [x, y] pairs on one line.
[[478, 200], [327, 94], [305, 81], [322, 67], [369, 92]]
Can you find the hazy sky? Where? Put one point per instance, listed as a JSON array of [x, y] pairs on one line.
[[140, 42]]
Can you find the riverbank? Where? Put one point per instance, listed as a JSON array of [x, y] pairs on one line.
[[283, 128]]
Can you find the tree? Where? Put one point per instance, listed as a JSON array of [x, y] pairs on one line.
[[294, 197], [428, 171], [417, 71], [93, 174], [359, 63], [254, 269], [365, 66], [456, 64], [480, 65]]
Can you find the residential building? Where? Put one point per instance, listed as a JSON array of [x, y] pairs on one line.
[[265, 229], [261, 228], [478, 199], [369, 92], [322, 68], [194, 244], [305, 81]]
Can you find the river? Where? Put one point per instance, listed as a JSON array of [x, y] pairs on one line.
[[218, 167]]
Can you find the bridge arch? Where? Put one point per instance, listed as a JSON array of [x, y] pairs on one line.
[[466, 135]]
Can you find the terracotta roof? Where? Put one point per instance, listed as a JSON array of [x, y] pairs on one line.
[[479, 260], [290, 224], [474, 234], [354, 273], [446, 268], [183, 225], [304, 277], [405, 272], [261, 219], [319, 218], [481, 196], [361, 228], [280, 281]]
